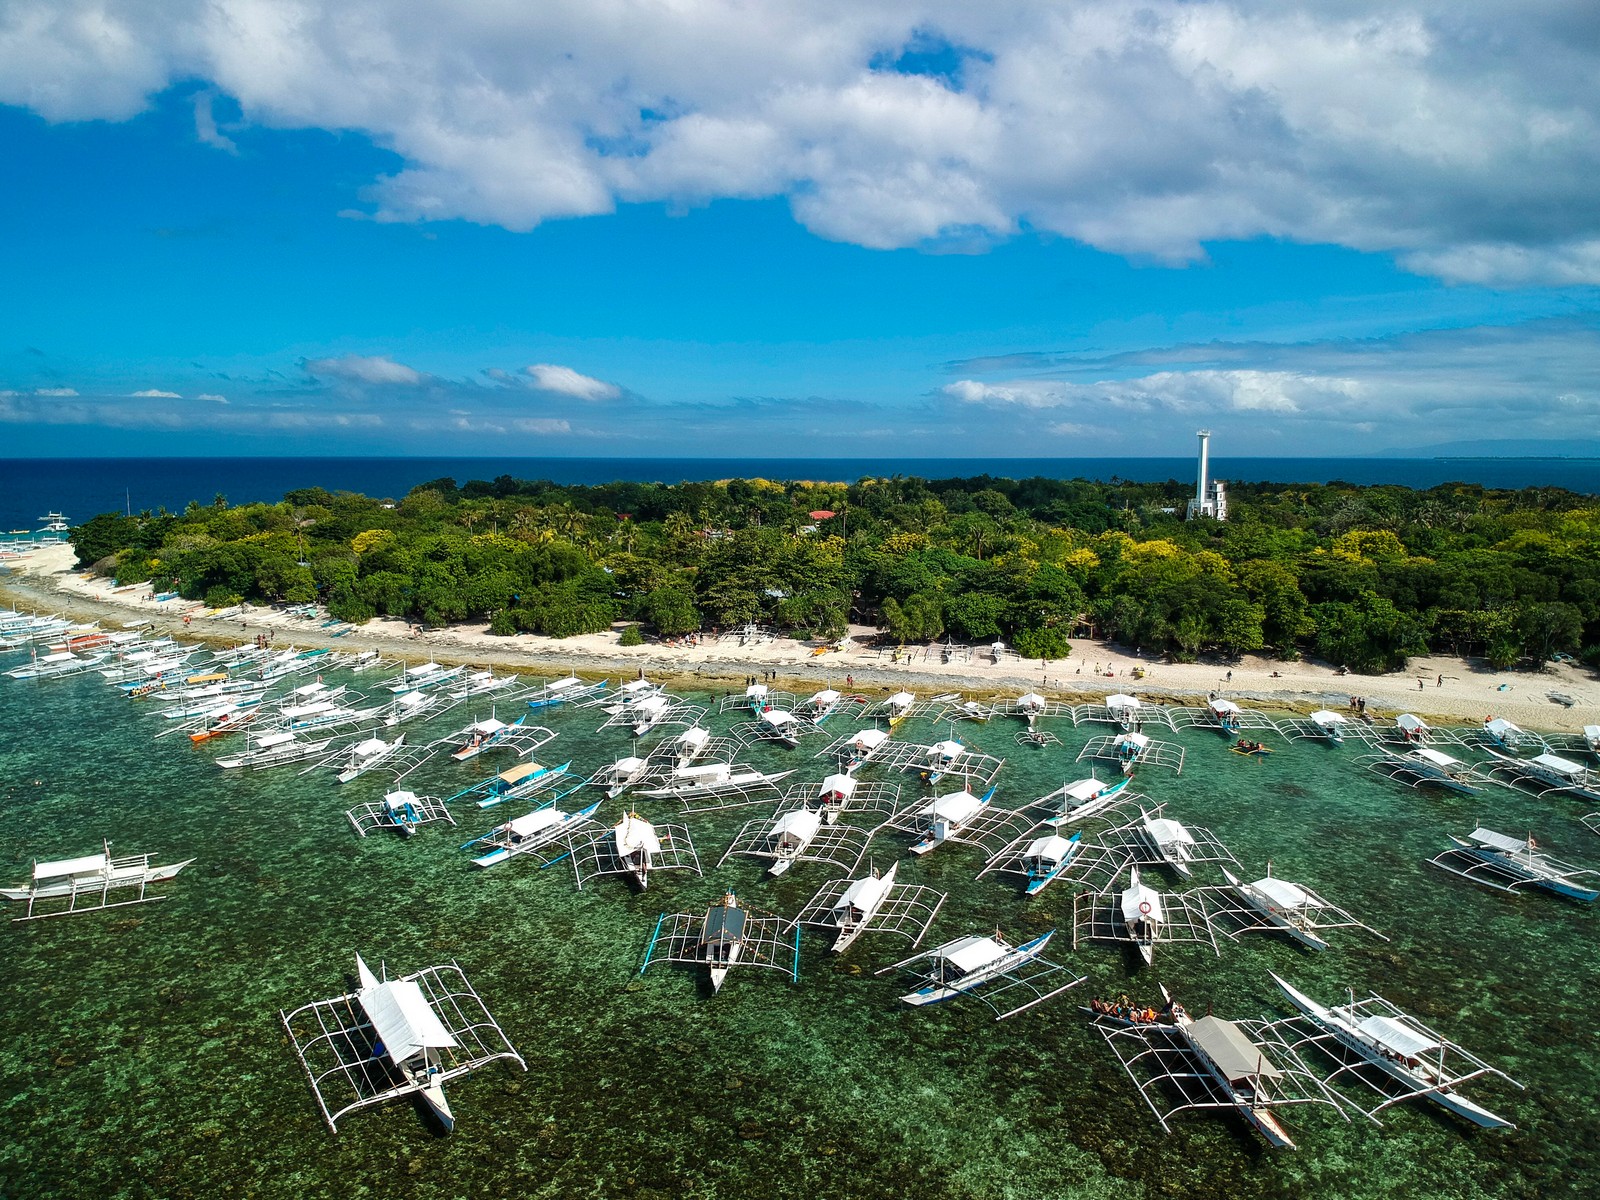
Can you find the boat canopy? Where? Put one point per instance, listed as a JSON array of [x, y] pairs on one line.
[[800, 825], [694, 737], [1397, 1036], [1053, 848], [1234, 1055], [705, 772], [1031, 700], [278, 738], [559, 684], [950, 749], [1437, 757], [1084, 789], [869, 739], [89, 864], [825, 696], [756, 691], [1497, 841], [1222, 707], [1121, 701], [1410, 723], [535, 821], [652, 704], [956, 807], [865, 893], [1168, 832], [1137, 740], [724, 924], [516, 774], [777, 717], [1325, 717], [400, 799], [413, 699], [1136, 895], [838, 787], [1500, 727], [401, 1017], [969, 953], [900, 699], [1591, 734], [1561, 766], [634, 834], [369, 747], [1281, 892]]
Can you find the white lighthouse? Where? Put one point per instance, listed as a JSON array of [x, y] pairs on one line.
[[1210, 496]]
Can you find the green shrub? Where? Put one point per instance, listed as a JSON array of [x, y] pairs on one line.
[[1042, 643], [631, 636]]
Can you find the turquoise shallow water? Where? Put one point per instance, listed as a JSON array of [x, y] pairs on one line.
[[143, 1056]]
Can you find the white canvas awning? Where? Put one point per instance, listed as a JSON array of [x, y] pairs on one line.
[[1084, 789], [1031, 700], [869, 739], [1281, 892], [1325, 717], [946, 750], [1138, 740], [1222, 707], [956, 807], [1561, 766], [840, 786], [801, 825], [969, 953], [1436, 757], [401, 1017], [1053, 848], [1396, 1036], [1500, 727], [1121, 701], [535, 821], [1499, 841], [1234, 1054], [89, 864], [1410, 723], [1168, 832]]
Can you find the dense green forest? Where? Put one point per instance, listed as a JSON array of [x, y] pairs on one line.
[[1360, 576]]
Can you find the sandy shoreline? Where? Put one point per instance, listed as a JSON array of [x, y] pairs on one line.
[[1470, 691]]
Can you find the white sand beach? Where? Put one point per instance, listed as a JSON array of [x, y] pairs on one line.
[[1445, 689]]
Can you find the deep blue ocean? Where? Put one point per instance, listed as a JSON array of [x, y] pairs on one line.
[[80, 488]]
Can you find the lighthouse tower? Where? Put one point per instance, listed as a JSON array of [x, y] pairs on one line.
[[1210, 495]]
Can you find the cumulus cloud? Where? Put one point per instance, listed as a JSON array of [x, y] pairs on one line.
[[1461, 137], [357, 368], [548, 377], [156, 394]]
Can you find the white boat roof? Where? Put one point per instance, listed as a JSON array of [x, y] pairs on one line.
[[492, 725], [1220, 705], [1084, 789], [1281, 892], [412, 699], [756, 690], [427, 668], [1410, 723], [1324, 717], [1561, 766], [864, 893], [558, 684], [1397, 1036], [1234, 1054], [1168, 832], [1488, 837], [957, 806], [704, 771], [900, 698], [305, 689], [1437, 757], [370, 746], [840, 784], [1053, 847], [632, 763], [535, 821], [825, 696], [947, 749], [402, 1018], [1592, 732], [778, 717], [635, 833], [696, 736], [803, 823], [396, 798], [1136, 895], [1031, 700], [652, 704], [1122, 701], [274, 739], [636, 685], [70, 866], [1500, 725], [969, 953], [870, 739], [1133, 739]]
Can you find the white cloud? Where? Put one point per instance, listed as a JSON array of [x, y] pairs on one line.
[[205, 124], [156, 394], [213, 397], [357, 368], [55, 391], [1169, 391], [548, 377], [1463, 137], [542, 425]]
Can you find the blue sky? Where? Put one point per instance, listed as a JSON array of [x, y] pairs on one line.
[[605, 229]]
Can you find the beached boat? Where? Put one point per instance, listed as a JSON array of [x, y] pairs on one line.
[[1375, 1034], [1511, 864], [89, 883], [530, 833]]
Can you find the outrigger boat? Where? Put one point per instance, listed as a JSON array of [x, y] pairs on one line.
[[357, 758], [402, 810], [638, 844], [1293, 909], [58, 665], [858, 751], [940, 757], [790, 835], [423, 676], [529, 833], [485, 735], [393, 1038], [1082, 799], [1330, 724], [1423, 765], [565, 691], [975, 964], [821, 705], [1045, 858], [89, 883], [514, 783], [633, 847], [875, 902], [714, 779], [1513, 737], [1510, 864], [949, 815], [726, 936], [273, 748], [1548, 773], [898, 707], [1374, 1034], [1142, 915]]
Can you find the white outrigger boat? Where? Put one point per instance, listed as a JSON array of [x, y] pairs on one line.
[[422, 677], [634, 847], [1513, 737], [359, 757], [850, 907], [857, 751], [1045, 858], [1549, 773], [565, 691], [715, 779], [725, 936], [89, 883], [821, 705], [948, 815], [484, 735], [978, 964], [623, 774], [58, 665], [529, 833], [897, 707], [400, 809], [781, 725], [1143, 916], [392, 1038], [1510, 864], [798, 835], [939, 758], [273, 748], [637, 847], [791, 833], [1292, 908], [1082, 799], [1374, 1034], [1423, 766]]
